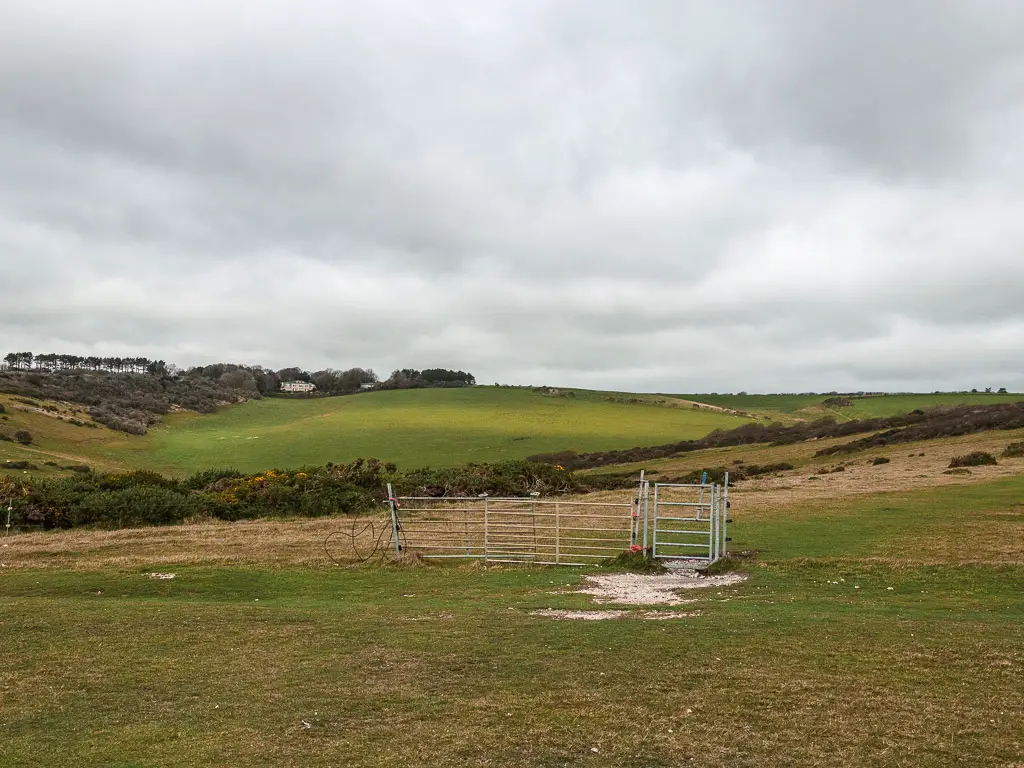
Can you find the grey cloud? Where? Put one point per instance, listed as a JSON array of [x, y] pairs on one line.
[[674, 196]]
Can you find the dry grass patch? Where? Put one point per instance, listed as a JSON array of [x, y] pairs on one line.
[[269, 543]]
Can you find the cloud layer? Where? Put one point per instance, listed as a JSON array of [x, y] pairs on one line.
[[672, 196]]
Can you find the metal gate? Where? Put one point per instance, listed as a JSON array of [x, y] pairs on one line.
[[513, 530], [685, 522], [689, 521]]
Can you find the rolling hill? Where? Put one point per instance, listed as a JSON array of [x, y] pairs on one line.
[[413, 428], [423, 427], [787, 408]]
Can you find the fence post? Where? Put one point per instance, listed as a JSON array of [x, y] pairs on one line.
[[716, 523], [394, 519], [557, 532], [725, 517], [486, 537], [654, 527], [635, 522]]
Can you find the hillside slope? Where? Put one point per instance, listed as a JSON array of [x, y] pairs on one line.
[[789, 408], [414, 428]]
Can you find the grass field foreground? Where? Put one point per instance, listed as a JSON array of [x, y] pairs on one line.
[[874, 630]]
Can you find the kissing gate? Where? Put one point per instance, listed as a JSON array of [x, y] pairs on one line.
[[671, 521]]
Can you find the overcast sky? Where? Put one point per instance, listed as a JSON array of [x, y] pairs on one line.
[[654, 196]]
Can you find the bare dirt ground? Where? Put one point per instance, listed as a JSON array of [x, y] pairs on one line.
[[558, 615], [910, 467], [639, 589], [267, 543], [650, 589]]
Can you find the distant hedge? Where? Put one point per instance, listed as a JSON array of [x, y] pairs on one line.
[[146, 498], [941, 421]]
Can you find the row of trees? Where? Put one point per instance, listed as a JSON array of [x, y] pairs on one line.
[[336, 382], [410, 378], [53, 362], [253, 378]]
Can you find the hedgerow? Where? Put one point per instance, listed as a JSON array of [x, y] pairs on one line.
[[941, 421], [139, 498]]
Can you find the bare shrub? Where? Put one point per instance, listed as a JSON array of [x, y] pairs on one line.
[[973, 459], [1014, 450]]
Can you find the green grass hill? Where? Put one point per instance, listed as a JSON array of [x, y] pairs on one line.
[[422, 427], [413, 428]]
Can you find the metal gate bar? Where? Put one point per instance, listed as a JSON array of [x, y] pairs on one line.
[[514, 529], [704, 531], [683, 521]]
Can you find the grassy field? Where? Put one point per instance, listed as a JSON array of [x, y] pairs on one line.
[[786, 408], [436, 427], [875, 629]]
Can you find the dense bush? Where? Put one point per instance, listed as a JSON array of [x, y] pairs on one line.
[[133, 506], [973, 459], [148, 498], [23, 436], [505, 478], [942, 421], [1013, 450], [19, 465], [606, 481], [837, 402], [879, 460]]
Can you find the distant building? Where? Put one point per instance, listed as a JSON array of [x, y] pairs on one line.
[[297, 386], [368, 386]]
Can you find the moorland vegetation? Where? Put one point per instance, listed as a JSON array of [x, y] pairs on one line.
[[130, 394]]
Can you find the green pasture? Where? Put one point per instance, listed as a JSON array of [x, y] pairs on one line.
[[785, 407], [435, 427], [877, 631], [413, 428]]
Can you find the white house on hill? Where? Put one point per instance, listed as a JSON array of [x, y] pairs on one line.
[[297, 386]]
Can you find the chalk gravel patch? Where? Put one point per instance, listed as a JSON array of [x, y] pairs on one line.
[[640, 589], [637, 589], [559, 615]]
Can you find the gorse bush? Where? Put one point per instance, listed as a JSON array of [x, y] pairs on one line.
[[505, 478], [1013, 450], [147, 498]]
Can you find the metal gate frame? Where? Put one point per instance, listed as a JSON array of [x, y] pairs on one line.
[[564, 532], [705, 531], [512, 529]]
